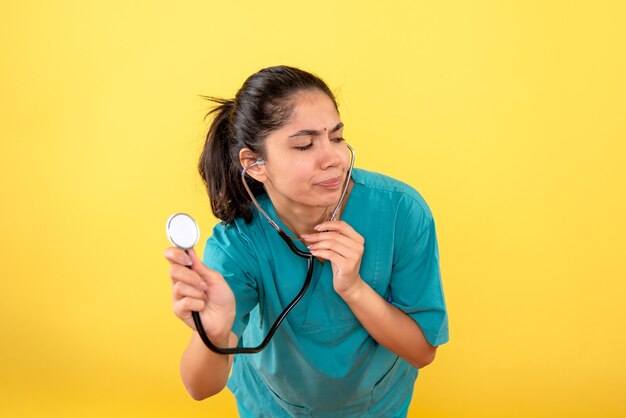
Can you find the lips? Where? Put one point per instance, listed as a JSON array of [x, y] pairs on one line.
[[331, 183]]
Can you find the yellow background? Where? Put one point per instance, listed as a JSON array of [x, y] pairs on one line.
[[509, 118]]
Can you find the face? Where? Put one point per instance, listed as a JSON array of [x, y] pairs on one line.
[[306, 160]]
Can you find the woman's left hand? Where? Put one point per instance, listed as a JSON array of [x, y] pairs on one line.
[[343, 246]]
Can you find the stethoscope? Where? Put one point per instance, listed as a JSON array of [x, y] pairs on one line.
[[183, 232]]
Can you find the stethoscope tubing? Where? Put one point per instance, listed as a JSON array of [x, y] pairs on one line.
[[289, 241], [252, 350]]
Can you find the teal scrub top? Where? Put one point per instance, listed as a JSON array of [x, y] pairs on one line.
[[322, 362]]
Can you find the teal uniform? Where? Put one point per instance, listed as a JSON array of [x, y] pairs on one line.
[[322, 362]]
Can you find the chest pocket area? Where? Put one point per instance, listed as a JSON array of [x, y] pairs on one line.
[[325, 309]]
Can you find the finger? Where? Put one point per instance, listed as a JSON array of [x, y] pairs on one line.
[[177, 256], [341, 227], [210, 276], [194, 258], [346, 251], [322, 240], [181, 290], [329, 255], [331, 236], [185, 305], [184, 274]]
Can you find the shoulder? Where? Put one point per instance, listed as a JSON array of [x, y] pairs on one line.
[[403, 196], [233, 240]]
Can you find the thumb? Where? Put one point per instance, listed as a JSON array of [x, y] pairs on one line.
[[208, 275], [196, 262]]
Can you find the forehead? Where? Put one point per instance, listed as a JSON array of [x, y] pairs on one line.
[[312, 109]]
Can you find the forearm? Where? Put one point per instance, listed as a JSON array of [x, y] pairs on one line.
[[389, 326], [205, 373]]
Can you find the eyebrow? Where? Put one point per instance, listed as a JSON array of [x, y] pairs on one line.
[[313, 132]]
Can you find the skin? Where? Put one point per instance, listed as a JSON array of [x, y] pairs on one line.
[[306, 163]]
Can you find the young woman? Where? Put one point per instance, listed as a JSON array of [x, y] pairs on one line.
[[374, 312]]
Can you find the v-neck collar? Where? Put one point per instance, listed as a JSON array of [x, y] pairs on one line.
[[266, 203]]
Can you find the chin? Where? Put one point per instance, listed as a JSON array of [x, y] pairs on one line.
[[328, 199]]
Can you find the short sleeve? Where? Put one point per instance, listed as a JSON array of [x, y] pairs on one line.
[[416, 286], [227, 252]]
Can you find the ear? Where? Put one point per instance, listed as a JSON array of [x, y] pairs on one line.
[[247, 157]]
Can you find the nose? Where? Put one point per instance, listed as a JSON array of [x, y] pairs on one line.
[[330, 154]]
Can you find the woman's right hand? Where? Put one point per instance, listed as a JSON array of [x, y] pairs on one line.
[[195, 287]]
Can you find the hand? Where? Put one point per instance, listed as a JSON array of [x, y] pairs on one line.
[[343, 246], [197, 288]]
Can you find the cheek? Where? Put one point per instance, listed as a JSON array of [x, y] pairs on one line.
[[290, 173], [293, 165], [346, 158], [296, 175]]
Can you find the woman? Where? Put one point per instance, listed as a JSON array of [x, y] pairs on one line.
[[374, 312]]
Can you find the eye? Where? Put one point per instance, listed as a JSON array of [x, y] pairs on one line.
[[304, 148], [338, 140]]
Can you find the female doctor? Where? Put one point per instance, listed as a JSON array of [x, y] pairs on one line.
[[374, 312]]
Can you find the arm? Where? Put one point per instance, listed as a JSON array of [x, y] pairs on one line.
[[205, 373], [195, 287], [387, 324]]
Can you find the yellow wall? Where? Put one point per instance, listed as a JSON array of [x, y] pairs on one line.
[[509, 117]]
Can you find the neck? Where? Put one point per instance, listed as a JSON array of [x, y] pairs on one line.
[[301, 219]]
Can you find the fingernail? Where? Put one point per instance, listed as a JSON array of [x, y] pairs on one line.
[[188, 262], [317, 227]]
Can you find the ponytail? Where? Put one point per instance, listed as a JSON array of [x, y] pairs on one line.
[[220, 169]]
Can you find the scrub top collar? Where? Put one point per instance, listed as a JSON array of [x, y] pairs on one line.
[[266, 203]]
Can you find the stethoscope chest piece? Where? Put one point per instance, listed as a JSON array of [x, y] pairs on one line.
[[182, 231]]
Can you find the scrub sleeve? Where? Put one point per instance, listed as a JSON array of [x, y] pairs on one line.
[[415, 285], [233, 255]]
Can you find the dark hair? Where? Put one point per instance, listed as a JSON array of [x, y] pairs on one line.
[[263, 104]]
